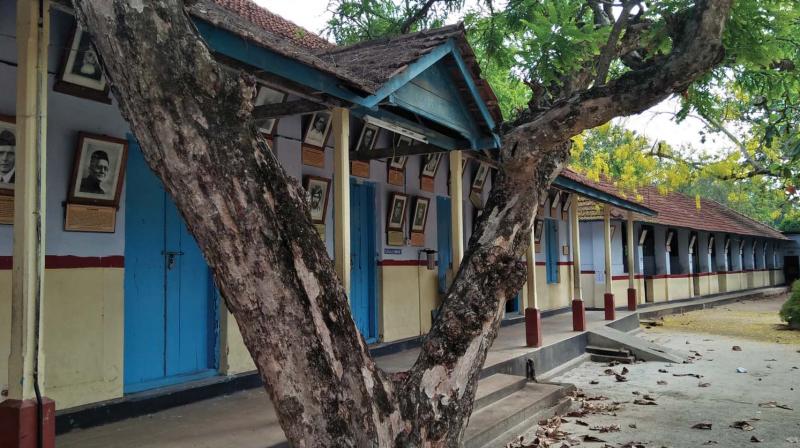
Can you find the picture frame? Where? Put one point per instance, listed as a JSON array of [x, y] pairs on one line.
[[613, 229], [431, 164], [317, 194], [480, 177], [318, 127], [266, 95], [80, 72], [398, 203], [8, 147], [420, 216], [556, 202], [367, 138], [399, 162], [538, 227], [98, 170]]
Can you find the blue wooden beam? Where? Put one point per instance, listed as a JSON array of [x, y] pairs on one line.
[[601, 196], [487, 116], [433, 137]]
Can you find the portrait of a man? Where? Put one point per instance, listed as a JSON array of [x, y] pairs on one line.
[[397, 211], [318, 129], [367, 139], [81, 65], [419, 217], [99, 170], [8, 145], [431, 164], [317, 189], [97, 174]]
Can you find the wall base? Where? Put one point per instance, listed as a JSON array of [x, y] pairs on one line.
[[608, 304], [533, 327], [578, 315], [632, 299], [18, 424]]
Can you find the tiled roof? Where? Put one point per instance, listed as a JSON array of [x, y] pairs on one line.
[[679, 210], [275, 23]]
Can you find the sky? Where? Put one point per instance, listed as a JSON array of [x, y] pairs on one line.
[[656, 123]]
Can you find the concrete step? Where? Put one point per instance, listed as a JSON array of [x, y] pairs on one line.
[[563, 406], [640, 348], [496, 387], [607, 351], [610, 359], [497, 418]]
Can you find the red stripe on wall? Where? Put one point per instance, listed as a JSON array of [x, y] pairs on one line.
[[72, 262], [625, 277]]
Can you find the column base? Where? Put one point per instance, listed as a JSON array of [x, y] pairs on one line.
[[608, 302], [533, 327], [578, 315], [18, 428], [632, 299]]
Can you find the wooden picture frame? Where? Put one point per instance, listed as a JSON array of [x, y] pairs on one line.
[[431, 164], [538, 227], [80, 72], [398, 163], [396, 213], [317, 194], [480, 177], [267, 95], [8, 146], [420, 216], [98, 170], [367, 138], [318, 128]]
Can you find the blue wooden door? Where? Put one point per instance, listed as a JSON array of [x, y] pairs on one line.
[[551, 250], [362, 259], [443, 243], [170, 301]]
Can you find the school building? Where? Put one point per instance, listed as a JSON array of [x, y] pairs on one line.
[[105, 296]]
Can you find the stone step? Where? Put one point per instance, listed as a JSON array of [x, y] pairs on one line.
[[496, 419], [610, 359], [607, 351], [563, 406], [496, 387]]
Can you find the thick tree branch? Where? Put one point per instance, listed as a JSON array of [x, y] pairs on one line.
[[609, 51], [418, 15]]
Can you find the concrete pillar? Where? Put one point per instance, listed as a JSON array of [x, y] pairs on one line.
[[722, 244], [660, 249], [608, 297], [533, 316], [456, 209], [578, 307], [341, 194], [19, 417], [632, 247]]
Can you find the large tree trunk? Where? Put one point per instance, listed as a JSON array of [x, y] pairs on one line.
[[191, 117]]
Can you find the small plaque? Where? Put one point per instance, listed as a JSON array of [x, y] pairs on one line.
[[313, 157], [320, 230], [396, 177], [538, 248], [417, 239], [6, 209], [426, 184], [359, 168], [90, 218], [565, 250], [388, 251], [395, 238]]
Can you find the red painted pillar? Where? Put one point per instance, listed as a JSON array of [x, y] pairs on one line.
[[608, 302], [18, 428], [578, 315], [631, 299], [533, 327]]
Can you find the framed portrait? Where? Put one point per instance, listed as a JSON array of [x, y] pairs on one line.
[[420, 216], [366, 141], [431, 166], [264, 96], [8, 151], [318, 127], [80, 73], [317, 189], [556, 202], [98, 170], [399, 162], [480, 177], [398, 202], [538, 226]]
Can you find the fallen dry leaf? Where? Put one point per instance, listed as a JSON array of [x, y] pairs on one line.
[[662, 370], [736, 348], [581, 422], [702, 425], [793, 439], [704, 384], [591, 438], [625, 371], [609, 428], [644, 402], [744, 425], [755, 439], [711, 442], [632, 425], [661, 382], [620, 378], [688, 374]]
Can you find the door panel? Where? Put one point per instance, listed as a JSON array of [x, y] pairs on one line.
[[443, 243], [362, 259]]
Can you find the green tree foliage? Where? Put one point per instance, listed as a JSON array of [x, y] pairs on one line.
[[790, 311]]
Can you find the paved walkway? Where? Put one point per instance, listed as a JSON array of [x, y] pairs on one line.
[[247, 419]]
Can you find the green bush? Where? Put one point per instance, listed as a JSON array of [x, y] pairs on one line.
[[790, 311]]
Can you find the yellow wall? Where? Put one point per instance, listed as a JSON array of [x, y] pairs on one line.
[[234, 357], [553, 296], [400, 313], [658, 289], [83, 334], [680, 288]]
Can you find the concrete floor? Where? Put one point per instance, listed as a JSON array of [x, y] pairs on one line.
[[247, 419], [773, 374]]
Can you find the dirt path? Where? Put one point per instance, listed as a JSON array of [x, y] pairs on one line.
[[720, 397]]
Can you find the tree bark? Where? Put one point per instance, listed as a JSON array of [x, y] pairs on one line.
[[192, 117]]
